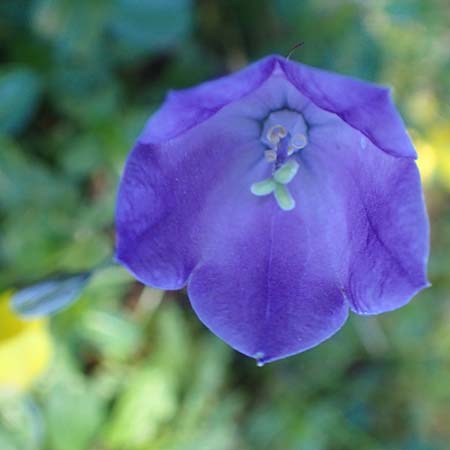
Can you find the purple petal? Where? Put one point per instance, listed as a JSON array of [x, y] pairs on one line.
[[266, 283], [189, 107], [384, 247], [364, 106], [164, 190], [166, 186]]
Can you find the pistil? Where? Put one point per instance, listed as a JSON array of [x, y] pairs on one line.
[[284, 139]]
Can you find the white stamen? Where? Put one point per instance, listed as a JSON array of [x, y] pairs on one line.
[[299, 141], [270, 155], [276, 133]]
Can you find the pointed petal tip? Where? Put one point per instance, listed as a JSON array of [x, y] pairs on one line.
[[259, 356], [393, 306]]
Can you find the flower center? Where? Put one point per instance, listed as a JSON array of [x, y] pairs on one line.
[[284, 135]]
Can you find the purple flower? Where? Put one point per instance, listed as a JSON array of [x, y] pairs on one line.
[[283, 197]]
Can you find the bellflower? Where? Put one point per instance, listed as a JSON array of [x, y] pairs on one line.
[[283, 197]]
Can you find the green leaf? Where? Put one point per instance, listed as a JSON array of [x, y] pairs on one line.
[[148, 402], [21, 426], [114, 335], [72, 411], [19, 95], [74, 28], [73, 415], [141, 26]]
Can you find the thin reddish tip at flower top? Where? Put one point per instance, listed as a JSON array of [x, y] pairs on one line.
[[283, 197]]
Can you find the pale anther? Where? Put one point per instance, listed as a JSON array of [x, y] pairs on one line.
[[270, 155], [276, 133], [298, 141]]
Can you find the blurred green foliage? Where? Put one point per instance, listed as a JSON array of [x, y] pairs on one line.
[[78, 79]]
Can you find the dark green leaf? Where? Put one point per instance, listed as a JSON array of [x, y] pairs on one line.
[[19, 94]]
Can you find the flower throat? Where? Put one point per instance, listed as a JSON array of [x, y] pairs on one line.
[[283, 135]]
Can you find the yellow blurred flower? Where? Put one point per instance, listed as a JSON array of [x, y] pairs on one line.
[[426, 160], [25, 348], [434, 153], [440, 141], [423, 106]]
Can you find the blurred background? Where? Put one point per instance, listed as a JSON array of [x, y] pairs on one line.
[[128, 368]]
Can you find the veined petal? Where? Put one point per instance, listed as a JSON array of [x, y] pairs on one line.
[[165, 188], [186, 108], [166, 185], [365, 106], [385, 245], [266, 283]]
